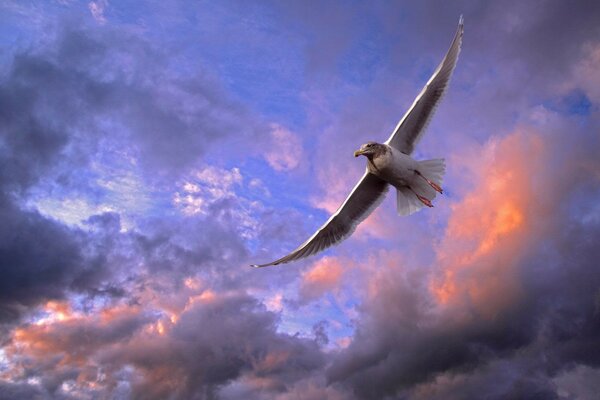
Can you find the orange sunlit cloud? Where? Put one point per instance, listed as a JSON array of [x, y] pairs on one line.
[[73, 338], [56, 335], [55, 311], [487, 229]]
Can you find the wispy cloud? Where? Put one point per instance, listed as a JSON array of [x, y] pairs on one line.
[[97, 9], [285, 150]]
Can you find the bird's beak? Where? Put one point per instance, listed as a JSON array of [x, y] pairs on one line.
[[357, 153]]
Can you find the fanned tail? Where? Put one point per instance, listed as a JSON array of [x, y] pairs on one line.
[[406, 201], [433, 170]]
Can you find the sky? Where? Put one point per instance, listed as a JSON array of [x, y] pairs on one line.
[[151, 151]]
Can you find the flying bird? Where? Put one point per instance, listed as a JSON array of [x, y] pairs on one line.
[[389, 163]]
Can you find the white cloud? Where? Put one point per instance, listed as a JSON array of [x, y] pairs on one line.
[[201, 193], [205, 188], [97, 9], [71, 211]]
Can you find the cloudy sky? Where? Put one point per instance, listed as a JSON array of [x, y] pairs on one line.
[[151, 151]]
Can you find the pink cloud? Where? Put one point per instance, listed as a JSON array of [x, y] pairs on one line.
[[284, 151], [489, 228], [152, 342], [323, 276]]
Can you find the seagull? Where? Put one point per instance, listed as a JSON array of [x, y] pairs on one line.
[[390, 163]]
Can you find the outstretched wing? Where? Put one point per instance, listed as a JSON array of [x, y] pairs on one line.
[[364, 198], [413, 123]]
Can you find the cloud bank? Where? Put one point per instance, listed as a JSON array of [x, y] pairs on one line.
[[146, 159]]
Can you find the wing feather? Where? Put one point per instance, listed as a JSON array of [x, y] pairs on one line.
[[364, 198], [413, 124]]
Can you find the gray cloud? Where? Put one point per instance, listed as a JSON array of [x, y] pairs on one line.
[[88, 93], [216, 341], [110, 87], [39, 260], [9, 391], [72, 100]]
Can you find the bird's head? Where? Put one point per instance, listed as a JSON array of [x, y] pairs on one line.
[[370, 149]]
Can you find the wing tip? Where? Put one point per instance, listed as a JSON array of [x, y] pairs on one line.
[[461, 21], [267, 264], [260, 265]]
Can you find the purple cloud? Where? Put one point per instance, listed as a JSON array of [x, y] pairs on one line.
[[148, 155]]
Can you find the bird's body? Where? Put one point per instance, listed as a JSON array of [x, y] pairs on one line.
[[416, 182], [393, 166]]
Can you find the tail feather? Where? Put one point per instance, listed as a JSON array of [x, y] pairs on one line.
[[433, 169], [406, 201]]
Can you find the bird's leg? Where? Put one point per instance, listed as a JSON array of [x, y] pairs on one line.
[[424, 200], [434, 185]]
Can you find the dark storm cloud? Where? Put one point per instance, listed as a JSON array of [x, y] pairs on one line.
[[214, 343], [29, 143], [10, 391], [217, 339], [114, 86], [78, 94], [39, 258]]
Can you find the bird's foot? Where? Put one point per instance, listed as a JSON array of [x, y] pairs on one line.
[[424, 200], [434, 185]]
